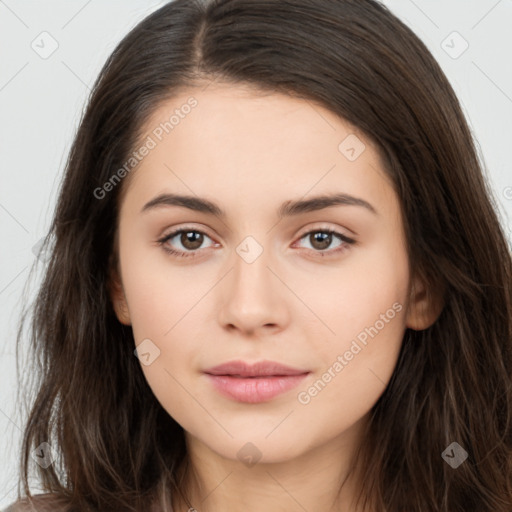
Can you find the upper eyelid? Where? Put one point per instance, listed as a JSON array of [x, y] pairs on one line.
[[176, 231], [322, 228]]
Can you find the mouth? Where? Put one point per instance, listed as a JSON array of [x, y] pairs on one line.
[[255, 383]]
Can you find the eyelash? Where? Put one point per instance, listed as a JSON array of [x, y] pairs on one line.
[[181, 254]]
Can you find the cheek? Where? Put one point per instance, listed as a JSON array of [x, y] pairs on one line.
[[367, 314], [166, 316], [160, 294], [369, 289]]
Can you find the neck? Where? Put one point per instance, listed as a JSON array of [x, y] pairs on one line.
[[322, 478]]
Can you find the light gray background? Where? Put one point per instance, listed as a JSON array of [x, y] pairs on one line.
[[41, 100]]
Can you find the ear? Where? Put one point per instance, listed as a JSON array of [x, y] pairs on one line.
[[118, 298], [425, 306]]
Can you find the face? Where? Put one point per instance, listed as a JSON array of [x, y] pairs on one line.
[[266, 273]]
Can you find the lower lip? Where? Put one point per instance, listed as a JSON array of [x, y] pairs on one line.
[[254, 390]]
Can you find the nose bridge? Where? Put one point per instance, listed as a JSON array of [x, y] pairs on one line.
[[253, 297], [251, 273]]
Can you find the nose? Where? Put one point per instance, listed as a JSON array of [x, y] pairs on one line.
[[253, 299]]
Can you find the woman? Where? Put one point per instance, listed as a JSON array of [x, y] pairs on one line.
[[278, 279]]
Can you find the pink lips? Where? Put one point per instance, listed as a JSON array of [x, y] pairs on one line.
[[255, 383]]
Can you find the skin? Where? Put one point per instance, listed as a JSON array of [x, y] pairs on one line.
[[250, 152]]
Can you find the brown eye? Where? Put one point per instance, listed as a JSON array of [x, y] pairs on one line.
[[191, 240], [321, 240], [186, 242]]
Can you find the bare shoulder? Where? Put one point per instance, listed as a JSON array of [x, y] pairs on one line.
[[48, 502]]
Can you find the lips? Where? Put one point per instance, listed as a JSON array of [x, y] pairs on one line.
[[259, 369], [259, 382]]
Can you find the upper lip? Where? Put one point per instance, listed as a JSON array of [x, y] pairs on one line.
[[258, 369]]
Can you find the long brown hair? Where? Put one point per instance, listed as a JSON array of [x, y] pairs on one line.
[[117, 447]]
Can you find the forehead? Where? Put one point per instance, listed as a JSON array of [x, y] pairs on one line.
[[222, 138]]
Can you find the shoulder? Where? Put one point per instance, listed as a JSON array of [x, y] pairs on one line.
[[48, 502]]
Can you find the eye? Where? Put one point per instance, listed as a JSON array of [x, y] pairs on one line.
[[321, 239], [190, 239]]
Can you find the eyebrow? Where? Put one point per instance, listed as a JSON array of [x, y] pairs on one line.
[[287, 209]]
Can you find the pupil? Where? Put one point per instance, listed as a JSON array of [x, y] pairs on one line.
[[191, 240], [323, 240]]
